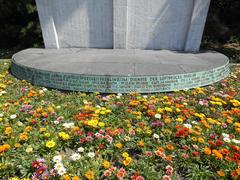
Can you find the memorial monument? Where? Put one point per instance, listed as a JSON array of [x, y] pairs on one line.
[[119, 46]]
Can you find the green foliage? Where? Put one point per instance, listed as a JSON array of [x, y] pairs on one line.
[[19, 25]]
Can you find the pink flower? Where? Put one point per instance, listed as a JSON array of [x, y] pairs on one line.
[[186, 156], [148, 153], [203, 102], [166, 177], [139, 178]]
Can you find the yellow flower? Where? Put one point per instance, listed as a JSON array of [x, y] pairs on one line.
[[119, 145], [64, 136], [50, 144], [92, 123], [8, 130], [89, 175], [235, 103], [47, 134], [23, 136], [14, 178], [168, 109], [127, 161], [28, 128], [201, 140], [125, 155], [42, 129], [101, 124], [179, 120], [106, 164]]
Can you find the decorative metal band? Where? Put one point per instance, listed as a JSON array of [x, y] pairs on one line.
[[119, 84]]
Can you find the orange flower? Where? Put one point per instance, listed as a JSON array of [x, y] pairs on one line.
[[89, 175], [8, 130], [207, 150], [66, 177], [217, 154], [221, 173], [141, 143], [224, 151], [75, 178], [234, 174], [169, 158], [170, 147], [23, 136]]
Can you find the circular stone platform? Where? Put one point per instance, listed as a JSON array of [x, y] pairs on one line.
[[119, 71]]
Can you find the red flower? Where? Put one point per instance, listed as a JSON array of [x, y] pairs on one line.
[[195, 153]]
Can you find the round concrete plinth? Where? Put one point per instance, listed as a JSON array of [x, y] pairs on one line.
[[119, 71]]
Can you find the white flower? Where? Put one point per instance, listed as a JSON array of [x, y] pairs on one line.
[[58, 166], [56, 122], [19, 123], [44, 89], [156, 136], [68, 125], [236, 141], [225, 135], [58, 107], [81, 149], [41, 92], [62, 171], [187, 126], [1, 114], [13, 116], [29, 149], [194, 122], [3, 92], [75, 156], [91, 154], [226, 139], [57, 159], [119, 94], [85, 102], [127, 138], [145, 96], [158, 116]]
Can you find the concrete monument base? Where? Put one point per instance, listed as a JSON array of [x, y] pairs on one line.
[[119, 71]]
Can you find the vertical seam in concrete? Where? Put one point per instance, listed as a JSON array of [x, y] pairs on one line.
[[126, 30], [189, 25], [120, 17], [55, 32]]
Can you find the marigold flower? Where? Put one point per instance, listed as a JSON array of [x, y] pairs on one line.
[[64, 136], [170, 147], [8, 130], [207, 151], [217, 154], [221, 173], [75, 178], [119, 145], [106, 164], [141, 143], [89, 175], [23, 136], [50, 144]]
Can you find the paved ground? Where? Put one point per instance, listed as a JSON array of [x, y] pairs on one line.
[[119, 62]]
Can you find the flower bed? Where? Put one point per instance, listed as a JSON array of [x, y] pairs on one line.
[[47, 134]]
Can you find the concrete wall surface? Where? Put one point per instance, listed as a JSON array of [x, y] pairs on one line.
[[123, 24]]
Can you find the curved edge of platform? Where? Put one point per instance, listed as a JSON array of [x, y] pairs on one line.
[[119, 84]]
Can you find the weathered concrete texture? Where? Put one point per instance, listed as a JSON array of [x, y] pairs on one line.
[[123, 24], [107, 70], [119, 62], [76, 23]]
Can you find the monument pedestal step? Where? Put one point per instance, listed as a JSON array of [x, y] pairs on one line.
[[119, 71]]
